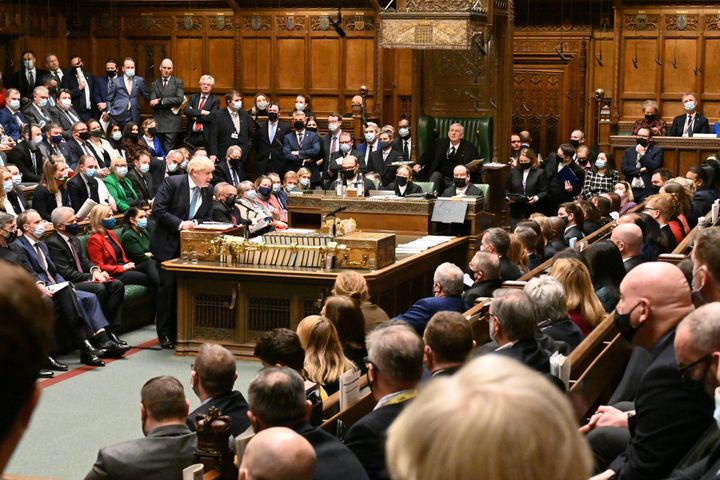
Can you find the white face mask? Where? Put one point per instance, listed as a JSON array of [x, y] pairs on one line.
[[66, 102], [716, 413], [116, 135], [299, 106]]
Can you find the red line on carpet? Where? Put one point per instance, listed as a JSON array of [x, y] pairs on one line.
[[85, 368]]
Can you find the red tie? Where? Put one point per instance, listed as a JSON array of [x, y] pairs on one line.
[[198, 126]]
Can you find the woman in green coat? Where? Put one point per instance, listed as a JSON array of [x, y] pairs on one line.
[[135, 240], [119, 186]]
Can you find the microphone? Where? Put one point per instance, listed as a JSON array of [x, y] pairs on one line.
[[336, 211]]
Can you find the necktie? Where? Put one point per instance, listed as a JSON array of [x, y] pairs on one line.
[[165, 80], [333, 145], [34, 160], [406, 152], [78, 265], [300, 139], [43, 263], [194, 202], [18, 119], [73, 119], [236, 121], [198, 126], [93, 187], [31, 78], [451, 154], [273, 129], [128, 85], [689, 129]]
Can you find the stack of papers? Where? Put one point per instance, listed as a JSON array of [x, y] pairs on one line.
[[422, 244]]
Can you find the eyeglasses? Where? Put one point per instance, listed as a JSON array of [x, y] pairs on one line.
[[687, 369]]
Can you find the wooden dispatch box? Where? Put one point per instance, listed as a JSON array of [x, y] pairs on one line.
[[199, 240], [366, 250]]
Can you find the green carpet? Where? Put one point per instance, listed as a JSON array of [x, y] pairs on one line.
[[79, 415]]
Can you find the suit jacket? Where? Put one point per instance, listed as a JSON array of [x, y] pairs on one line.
[[44, 202], [75, 151], [170, 208], [170, 97], [484, 288], [535, 185], [119, 99], [222, 172], [37, 115], [435, 160], [20, 155], [702, 202], [420, 313], [64, 261], [192, 112], [325, 145], [78, 191], [20, 81], [334, 460], [556, 187], [700, 125], [564, 331], [412, 189], [102, 254], [60, 117], [222, 130], [508, 270], [9, 121], [334, 167], [79, 102], [117, 190], [269, 155], [530, 353], [135, 244], [232, 404], [102, 87], [62, 149], [221, 213], [668, 419], [384, 167], [397, 144], [632, 262], [162, 455], [470, 191], [572, 232], [309, 150], [652, 160], [142, 183], [366, 439], [22, 247]]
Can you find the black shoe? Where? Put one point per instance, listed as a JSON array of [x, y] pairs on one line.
[[111, 349], [117, 340], [91, 360], [55, 365], [43, 373], [166, 343]]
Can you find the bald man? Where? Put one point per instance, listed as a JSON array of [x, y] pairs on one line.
[[167, 94], [668, 418], [278, 453], [629, 239]]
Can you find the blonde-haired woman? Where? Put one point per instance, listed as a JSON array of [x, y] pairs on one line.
[[105, 250], [325, 361], [352, 284], [491, 403], [51, 192], [9, 199], [627, 200], [584, 306]]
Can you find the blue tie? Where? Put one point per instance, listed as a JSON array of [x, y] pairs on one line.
[[194, 202]]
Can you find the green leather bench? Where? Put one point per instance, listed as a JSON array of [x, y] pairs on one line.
[[478, 130]]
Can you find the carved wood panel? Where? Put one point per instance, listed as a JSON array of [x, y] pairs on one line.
[[537, 98]]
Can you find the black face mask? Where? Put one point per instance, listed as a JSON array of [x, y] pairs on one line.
[[230, 200], [133, 136], [649, 118], [401, 181], [382, 145], [311, 129], [111, 73], [575, 143], [642, 142], [347, 174], [298, 124], [459, 182], [565, 220], [11, 237], [524, 166], [152, 131], [272, 116], [622, 321], [234, 162], [84, 135]]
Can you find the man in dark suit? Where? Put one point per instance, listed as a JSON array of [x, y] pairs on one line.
[[548, 296], [562, 187], [639, 163], [230, 126], [72, 263], [691, 122], [55, 143], [366, 148], [224, 208], [705, 195], [277, 452], [403, 184], [78, 145], [82, 90], [437, 165], [668, 417], [84, 184], [330, 142], [55, 75], [167, 94], [350, 176], [301, 147], [485, 268], [124, 95], [103, 85], [28, 77], [448, 341], [276, 398], [447, 291], [513, 322], [64, 114], [231, 169], [28, 154], [528, 180], [384, 161], [200, 109], [404, 142], [497, 241], [168, 445], [395, 360], [141, 178], [574, 221], [461, 186], [180, 201], [38, 112], [212, 378], [629, 239], [16, 196], [268, 143], [11, 118]]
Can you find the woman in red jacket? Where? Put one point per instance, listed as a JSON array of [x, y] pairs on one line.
[[105, 250]]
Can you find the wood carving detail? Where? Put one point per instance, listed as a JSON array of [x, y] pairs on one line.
[[444, 5], [290, 23], [642, 22], [148, 22], [189, 23], [435, 34], [257, 23], [222, 23], [320, 23], [681, 22], [712, 22], [359, 23]]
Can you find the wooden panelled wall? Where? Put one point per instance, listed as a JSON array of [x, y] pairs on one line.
[[277, 52]]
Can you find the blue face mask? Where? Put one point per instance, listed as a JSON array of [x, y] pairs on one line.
[[689, 105], [8, 186], [130, 72], [252, 194], [600, 163], [109, 223], [142, 223], [90, 172], [72, 229], [145, 167], [14, 104], [276, 187], [121, 171], [56, 138], [42, 103], [39, 230]]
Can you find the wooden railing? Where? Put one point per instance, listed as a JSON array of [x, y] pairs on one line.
[[683, 249]]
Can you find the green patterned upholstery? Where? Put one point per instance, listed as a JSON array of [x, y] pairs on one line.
[[477, 130]]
